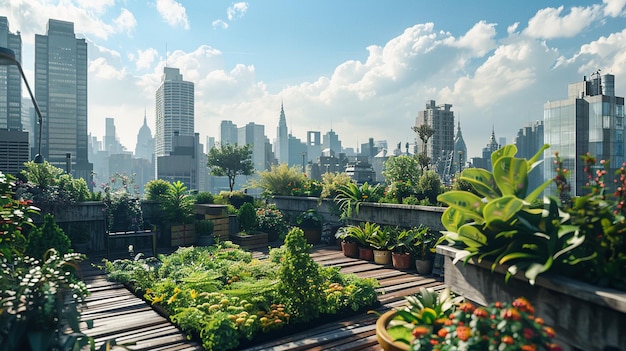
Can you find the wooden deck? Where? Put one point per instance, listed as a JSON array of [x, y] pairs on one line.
[[118, 314]]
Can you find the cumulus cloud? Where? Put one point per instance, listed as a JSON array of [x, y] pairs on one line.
[[173, 13], [101, 69], [237, 10], [99, 6], [614, 8], [550, 23], [125, 22], [145, 58]]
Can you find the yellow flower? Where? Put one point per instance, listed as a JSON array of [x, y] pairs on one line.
[[177, 290], [173, 298], [158, 299], [193, 293]]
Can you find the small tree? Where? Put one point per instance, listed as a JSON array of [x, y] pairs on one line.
[[231, 160], [402, 168]]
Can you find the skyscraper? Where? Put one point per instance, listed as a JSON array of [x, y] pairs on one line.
[[460, 152], [61, 91], [590, 119], [10, 81], [174, 110], [145, 142], [228, 133], [281, 144], [441, 120]]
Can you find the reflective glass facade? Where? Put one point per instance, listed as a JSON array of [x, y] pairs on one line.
[[589, 120]]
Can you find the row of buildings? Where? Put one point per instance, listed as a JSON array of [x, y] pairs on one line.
[[590, 119]]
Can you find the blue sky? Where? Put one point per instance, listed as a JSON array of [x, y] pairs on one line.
[[361, 67]]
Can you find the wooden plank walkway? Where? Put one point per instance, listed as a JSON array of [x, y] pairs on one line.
[[117, 313]]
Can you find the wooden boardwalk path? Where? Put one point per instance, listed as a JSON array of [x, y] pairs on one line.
[[118, 314]]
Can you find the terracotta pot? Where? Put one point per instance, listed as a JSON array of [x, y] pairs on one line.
[[384, 339], [382, 257], [366, 254], [349, 249], [424, 266], [401, 260]]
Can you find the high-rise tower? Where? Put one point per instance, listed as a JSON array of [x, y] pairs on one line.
[[61, 91], [11, 87], [281, 144], [174, 110], [460, 152], [591, 119], [441, 120], [145, 142]]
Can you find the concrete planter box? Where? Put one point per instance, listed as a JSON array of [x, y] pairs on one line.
[[585, 317]]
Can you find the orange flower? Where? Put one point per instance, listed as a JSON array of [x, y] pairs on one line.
[[480, 312], [507, 339], [466, 307], [420, 331], [442, 332], [512, 314], [549, 331], [463, 332], [523, 305], [539, 321], [531, 347]]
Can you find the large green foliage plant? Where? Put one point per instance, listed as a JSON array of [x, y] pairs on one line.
[[500, 224], [231, 161]]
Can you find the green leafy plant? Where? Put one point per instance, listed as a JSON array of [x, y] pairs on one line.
[[300, 279], [46, 237], [272, 221], [15, 216], [408, 240], [600, 217], [246, 216], [381, 239], [502, 226], [361, 234], [427, 307], [332, 182], [177, 204], [351, 195], [310, 219]]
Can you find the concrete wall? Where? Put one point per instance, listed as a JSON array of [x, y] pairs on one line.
[[385, 214]]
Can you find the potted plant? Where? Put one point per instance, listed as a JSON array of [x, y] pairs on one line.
[[361, 235], [272, 221], [403, 247], [424, 244], [438, 319], [380, 241], [249, 237], [349, 246], [204, 232], [310, 221]]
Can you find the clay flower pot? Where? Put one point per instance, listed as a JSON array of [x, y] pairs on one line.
[[384, 339]]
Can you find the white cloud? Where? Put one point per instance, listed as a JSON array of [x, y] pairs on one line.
[[173, 13], [125, 22], [101, 69], [479, 40], [219, 24], [614, 8], [237, 10], [99, 6], [145, 58], [549, 23]]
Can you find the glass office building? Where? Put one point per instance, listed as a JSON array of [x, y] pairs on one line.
[[61, 91], [591, 119]]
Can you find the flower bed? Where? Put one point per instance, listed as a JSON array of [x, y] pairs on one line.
[[223, 297]]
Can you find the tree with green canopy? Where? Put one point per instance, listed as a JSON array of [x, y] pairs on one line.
[[231, 160]]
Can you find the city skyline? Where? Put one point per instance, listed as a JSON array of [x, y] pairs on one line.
[[362, 69]]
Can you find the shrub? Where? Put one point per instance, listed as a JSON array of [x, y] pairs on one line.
[[271, 220], [332, 183], [156, 189], [204, 227], [279, 180], [48, 236], [247, 218], [204, 197], [14, 218], [122, 204]]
